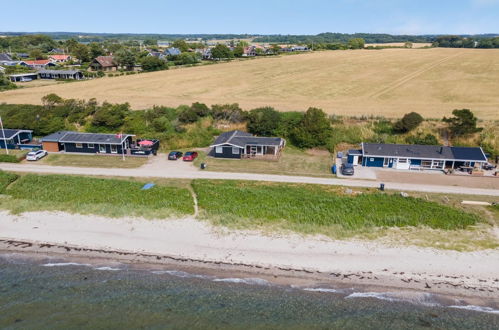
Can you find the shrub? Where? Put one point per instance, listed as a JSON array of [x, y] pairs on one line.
[[428, 139], [9, 159], [314, 130], [409, 122], [263, 121]]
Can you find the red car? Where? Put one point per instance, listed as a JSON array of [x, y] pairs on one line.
[[189, 156]]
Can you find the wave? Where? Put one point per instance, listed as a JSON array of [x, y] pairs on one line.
[[257, 281], [322, 290], [179, 273], [477, 308], [107, 268], [62, 264], [426, 299]]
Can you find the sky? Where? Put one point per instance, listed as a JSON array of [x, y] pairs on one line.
[[253, 16]]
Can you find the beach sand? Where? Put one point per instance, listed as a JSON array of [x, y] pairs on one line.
[[192, 243]]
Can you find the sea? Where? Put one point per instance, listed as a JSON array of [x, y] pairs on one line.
[[59, 293]]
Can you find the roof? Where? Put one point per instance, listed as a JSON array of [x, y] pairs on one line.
[[355, 152], [105, 61], [424, 151], [57, 50], [38, 62], [172, 51], [59, 57], [11, 133], [59, 71], [241, 139], [29, 74], [12, 63], [78, 137], [5, 57]]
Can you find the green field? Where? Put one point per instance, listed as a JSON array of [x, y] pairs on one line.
[[92, 161]]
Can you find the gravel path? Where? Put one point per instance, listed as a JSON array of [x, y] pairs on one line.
[[180, 170]]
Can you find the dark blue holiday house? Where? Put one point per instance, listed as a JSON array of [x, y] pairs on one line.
[[406, 156], [17, 139], [238, 144]]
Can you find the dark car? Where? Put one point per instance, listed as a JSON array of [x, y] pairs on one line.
[[347, 169], [174, 155], [488, 167], [190, 156]]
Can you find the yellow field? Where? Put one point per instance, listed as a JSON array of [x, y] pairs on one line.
[[387, 82]]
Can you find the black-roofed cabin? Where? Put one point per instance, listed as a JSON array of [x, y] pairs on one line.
[[238, 144], [420, 157], [17, 139], [91, 143]]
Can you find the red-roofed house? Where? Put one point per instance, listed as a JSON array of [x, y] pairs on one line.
[[39, 64], [60, 58]]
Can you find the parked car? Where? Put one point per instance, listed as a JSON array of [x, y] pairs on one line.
[[488, 167], [347, 169], [174, 155], [35, 155], [190, 156]]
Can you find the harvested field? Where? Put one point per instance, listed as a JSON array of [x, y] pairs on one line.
[[387, 82]]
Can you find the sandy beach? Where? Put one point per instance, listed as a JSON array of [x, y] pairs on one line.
[[195, 243]]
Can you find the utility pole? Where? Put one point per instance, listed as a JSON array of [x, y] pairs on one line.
[[4, 140]]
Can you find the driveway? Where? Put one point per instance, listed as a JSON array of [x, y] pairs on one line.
[[360, 172], [161, 168]]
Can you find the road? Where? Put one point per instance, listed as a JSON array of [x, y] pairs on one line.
[[179, 170]]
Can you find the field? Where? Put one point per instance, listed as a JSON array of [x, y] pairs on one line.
[[389, 82]]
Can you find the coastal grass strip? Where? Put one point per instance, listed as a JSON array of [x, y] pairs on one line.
[[6, 179], [110, 197], [305, 207]]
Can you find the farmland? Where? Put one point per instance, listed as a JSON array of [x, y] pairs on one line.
[[387, 82]]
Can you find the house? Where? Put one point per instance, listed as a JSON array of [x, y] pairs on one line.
[[23, 77], [5, 57], [405, 156], [60, 58], [159, 55], [57, 51], [238, 144], [98, 143], [39, 64], [60, 74], [16, 138], [249, 51], [204, 52], [172, 51], [22, 55], [13, 63], [104, 63]]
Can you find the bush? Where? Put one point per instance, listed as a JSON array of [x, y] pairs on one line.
[[263, 121], [409, 122], [428, 139], [9, 159], [314, 130]]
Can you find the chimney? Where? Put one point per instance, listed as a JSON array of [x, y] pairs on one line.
[[441, 150]]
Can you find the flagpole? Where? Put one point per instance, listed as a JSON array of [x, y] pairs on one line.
[[123, 148], [4, 140]]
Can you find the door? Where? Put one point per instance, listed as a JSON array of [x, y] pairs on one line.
[[102, 148], [385, 162], [114, 149]]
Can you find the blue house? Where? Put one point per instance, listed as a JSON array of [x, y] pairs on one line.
[[16, 139], [406, 156], [238, 144], [172, 51]]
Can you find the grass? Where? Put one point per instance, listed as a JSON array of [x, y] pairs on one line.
[[292, 162], [322, 207], [389, 82], [6, 179], [92, 161], [14, 155], [109, 197]]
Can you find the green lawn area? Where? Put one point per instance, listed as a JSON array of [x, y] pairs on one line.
[[92, 161], [292, 162], [86, 195]]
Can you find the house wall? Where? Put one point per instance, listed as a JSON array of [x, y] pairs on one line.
[[50, 146], [71, 147], [372, 161], [227, 152]]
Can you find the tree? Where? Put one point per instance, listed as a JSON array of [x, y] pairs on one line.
[[187, 58], [181, 44], [263, 121], [81, 52], [463, 122], [51, 100], [408, 45], [238, 51], [409, 122], [152, 63], [125, 58], [95, 50], [356, 43], [111, 116], [228, 112], [193, 113], [151, 42], [314, 129], [221, 51], [5, 83], [37, 54], [71, 44], [276, 49]]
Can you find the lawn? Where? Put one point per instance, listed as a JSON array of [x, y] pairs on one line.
[[292, 162], [6, 179], [92, 161], [86, 195]]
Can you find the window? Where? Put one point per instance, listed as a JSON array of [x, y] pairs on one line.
[[371, 159], [91, 145], [403, 160], [219, 150], [102, 148], [79, 145], [235, 150], [114, 149], [426, 163]]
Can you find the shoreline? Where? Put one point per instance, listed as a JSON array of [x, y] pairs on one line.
[[189, 244]]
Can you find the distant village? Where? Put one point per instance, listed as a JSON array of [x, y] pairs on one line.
[[74, 61]]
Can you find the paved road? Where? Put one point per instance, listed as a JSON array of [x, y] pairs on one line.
[[179, 170]]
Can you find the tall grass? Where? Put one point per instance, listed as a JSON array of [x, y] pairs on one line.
[[316, 206], [108, 197], [6, 179]]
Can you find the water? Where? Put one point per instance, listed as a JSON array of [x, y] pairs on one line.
[[62, 294]]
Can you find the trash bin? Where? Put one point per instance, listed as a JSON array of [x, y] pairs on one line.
[[382, 186], [333, 169], [203, 166]]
